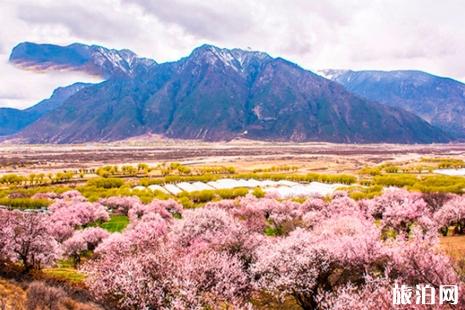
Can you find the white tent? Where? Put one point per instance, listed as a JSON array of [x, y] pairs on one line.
[[287, 183], [452, 172], [192, 187], [156, 187], [200, 186], [173, 189], [224, 183], [304, 189], [139, 188], [282, 188]]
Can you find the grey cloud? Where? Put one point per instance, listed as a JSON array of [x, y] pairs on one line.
[[356, 34], [203, 19], [84, 22]]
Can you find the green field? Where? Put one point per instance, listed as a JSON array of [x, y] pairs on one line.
[[116, 223]]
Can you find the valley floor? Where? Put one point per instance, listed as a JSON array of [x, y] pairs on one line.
[[249, 155]]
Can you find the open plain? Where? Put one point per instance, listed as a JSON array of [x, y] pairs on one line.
[[244, 155]]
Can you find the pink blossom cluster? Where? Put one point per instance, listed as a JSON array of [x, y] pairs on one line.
[[120, 204], [25, 239], [283, 216], [165, 208], [68, 215], [399, 210], [452, 214], [48, 196], [325, 255], [36, 239], [72, 195], [191, 263], [82, 241], [337, 254], [68, 195]]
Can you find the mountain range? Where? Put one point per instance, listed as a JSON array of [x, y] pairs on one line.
[[90, 59], [14, 120], [212, 94], [438, 100]]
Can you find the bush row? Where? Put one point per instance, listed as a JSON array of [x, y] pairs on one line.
[[24, 203]]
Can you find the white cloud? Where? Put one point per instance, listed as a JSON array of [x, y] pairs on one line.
[[371, 34], [21, 89]]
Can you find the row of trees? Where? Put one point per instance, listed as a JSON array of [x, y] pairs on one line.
[[165, 169], [179, 169], [445, 163], [426, 165], [427, 184], [125, 170], [284, 168], [36, 179]]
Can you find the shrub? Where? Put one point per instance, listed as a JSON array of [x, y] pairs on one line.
[[107, 171], [258, 192], [391, 169], [186, 202], [199, 196], [399, 180], [129, 170], [370, 171], [216, 170], [12, 179], [359, 193], [42, 296], [440, 183], [106, 182], [232, 193], [25, 203], [177, 179]]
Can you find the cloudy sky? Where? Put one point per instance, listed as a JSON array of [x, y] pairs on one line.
[[348, 34]]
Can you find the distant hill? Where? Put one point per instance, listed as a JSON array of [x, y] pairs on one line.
[[92, 59], [58, 97], [438, 100], [220, 94], [14, 120]]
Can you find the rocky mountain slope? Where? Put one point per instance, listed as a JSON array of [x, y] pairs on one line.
[[13, 120], [91, 59], [438, 100], [221, 94]]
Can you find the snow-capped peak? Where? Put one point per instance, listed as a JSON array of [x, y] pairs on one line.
[[331, 74], [236, 59]]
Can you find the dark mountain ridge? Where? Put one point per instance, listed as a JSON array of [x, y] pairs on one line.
[[220, 94], [438, 100], [14, 120], [90, 59]]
